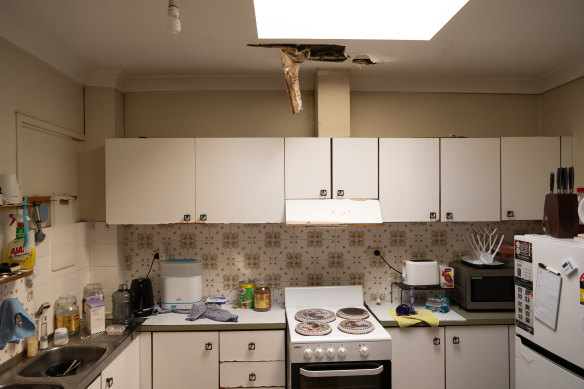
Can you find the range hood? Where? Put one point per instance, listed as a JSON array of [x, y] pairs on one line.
[[326, 212]]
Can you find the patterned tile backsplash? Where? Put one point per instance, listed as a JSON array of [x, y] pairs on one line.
[[300, 256]]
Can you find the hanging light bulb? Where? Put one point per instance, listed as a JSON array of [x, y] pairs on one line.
[[173, 20]]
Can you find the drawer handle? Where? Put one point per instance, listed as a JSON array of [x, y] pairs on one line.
[[203, 217], [109, 382], [251, 346], [436, 341], [252, 376], [323, 192], [456, 340], [187, 218], [340, 193], [510, 214], [432, 215], [449, 215], [208, 346]]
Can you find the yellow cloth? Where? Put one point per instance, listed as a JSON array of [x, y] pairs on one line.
[[421, 315]]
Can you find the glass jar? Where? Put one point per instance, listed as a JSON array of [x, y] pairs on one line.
[[67, 313], [122, 305], [91, 289], [262, 296]]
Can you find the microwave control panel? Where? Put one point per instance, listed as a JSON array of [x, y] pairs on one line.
[[524, 285]]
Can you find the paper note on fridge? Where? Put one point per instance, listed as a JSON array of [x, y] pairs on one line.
[[547, 296]]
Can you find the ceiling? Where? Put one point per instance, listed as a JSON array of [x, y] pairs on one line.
[[509, 46]]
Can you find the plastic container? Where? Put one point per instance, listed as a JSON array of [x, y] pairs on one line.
[[91, 289], [580, 192], [122, 305], [61, 337], [246, 289], [262, 297], [67, 313], [216, 302]]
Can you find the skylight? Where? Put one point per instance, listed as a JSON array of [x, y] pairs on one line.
[[353, 19]]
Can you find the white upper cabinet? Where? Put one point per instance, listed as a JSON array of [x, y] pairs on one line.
[[308, 168], [470, 183], [409, 179], [355, 168], [149, 181], [526, 164], [240, 180]]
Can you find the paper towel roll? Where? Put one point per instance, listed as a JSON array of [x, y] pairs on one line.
[[10, 189]]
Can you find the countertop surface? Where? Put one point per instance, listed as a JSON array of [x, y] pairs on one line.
[[275, 318], [455, 317]]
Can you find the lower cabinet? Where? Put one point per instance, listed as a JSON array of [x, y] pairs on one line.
[[211, 359], [450, 357], [123, 372]]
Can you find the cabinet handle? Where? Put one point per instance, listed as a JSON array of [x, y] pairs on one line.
[[340, 193], [436, 341], [449, 215], [187, 217], [323, 192], [251, 346], [456, 340], [203, 217], [433, 215], [252, 376], [109, 382], [208, 346], [510, 214]]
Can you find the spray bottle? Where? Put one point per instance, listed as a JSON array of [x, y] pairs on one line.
[[21, 251]]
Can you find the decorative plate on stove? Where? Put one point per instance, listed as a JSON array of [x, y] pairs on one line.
[[353, 313], [356, 326], [313, 328], [315, 315]]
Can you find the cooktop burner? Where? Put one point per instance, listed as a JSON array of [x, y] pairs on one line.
[[315, 315], [313, 328], [356, 326], [353, 313]]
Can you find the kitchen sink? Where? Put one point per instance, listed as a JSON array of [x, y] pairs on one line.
[[56, 361], [31, 386]]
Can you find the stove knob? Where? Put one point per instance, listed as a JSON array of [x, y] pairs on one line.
[[319, 353], [342, 352], [307, 353], [364, 351], [330, 352]]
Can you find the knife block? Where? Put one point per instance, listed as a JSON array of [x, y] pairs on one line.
[[561, 212]]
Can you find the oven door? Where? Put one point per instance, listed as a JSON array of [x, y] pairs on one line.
[[338, 375]]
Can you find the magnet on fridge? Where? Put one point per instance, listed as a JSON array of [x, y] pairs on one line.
[[569, 266], [582, 289]]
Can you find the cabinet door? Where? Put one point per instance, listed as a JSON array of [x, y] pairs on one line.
[[417, 348], [409, 184], [96, 384], [182, 360], [240, 180], [526, 164], [477, 357], [252, 345], [355, 168], [511, 338], [124, 371], [470, 179], [252, 374], [149, 181], [307, 168]]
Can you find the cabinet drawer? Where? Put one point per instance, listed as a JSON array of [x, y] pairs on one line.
[[252, 374], [252, 346]]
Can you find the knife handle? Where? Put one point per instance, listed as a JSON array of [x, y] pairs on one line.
[[559, 180], [565, 179], [571, 179], [552, 181]]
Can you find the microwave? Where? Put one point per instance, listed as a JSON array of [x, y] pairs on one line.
[[483, 288]]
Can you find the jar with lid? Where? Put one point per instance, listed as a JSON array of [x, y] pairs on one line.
[[91, 289], [122, 305], [262, 296], [67, 313]]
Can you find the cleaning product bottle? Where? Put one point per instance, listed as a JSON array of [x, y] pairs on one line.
[[21, 250]]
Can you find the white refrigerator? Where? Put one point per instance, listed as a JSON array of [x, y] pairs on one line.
[[549, 312]]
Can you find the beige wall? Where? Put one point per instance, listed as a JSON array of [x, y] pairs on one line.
[[217, 114], [562, 113], [395, 114]]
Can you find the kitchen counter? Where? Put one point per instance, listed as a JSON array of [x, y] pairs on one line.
[[114, 346], [455, 317], [248, 319]]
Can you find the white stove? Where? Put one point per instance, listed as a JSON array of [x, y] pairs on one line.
[[336, 346]]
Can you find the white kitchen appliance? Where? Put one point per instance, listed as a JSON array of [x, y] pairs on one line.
[[421, 272], [330, 356], [181, 283], [549, 313]]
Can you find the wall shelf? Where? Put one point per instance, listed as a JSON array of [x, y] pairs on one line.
[[31, 200], [18, 275]]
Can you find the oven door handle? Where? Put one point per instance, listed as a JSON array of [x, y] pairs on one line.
[[340, 373]]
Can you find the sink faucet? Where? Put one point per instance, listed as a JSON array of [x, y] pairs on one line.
[[44, 339]]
